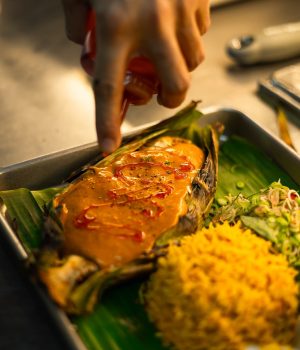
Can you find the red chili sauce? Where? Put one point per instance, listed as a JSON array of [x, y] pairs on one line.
[[116, 212]]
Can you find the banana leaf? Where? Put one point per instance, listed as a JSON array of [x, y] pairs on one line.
[[25, 210], [120, 321], [243, 163], [76, 283]]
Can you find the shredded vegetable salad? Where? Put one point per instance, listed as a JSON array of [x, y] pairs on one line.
[[273, 213]]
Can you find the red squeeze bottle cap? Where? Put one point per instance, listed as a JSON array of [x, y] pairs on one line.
[[140, 82]]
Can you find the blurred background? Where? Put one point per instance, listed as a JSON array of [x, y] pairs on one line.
[[46, 102], [46, 105]]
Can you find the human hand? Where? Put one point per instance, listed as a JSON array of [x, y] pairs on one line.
[[168, 32]]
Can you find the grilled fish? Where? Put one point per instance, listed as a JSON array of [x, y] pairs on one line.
[[115, 219]]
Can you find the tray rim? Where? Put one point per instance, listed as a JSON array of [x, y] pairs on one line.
[[62, 321]]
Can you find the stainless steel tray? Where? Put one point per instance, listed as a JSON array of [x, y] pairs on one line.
[[51, 170]]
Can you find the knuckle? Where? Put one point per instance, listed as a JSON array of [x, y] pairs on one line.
[[172, 101], [113, 19], [174, 93], [200, 57], [195, 56], [206, 25], [183, 10], [162, 8], [180, 85], [158, 13], [105, 127], [172, 96], [193, 63], [155, 21], [103, 90], [208, 22], [158, 52], [184, 31]]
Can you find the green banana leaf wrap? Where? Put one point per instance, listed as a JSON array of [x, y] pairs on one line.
[[76, 282]]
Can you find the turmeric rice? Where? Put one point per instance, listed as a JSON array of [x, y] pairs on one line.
[[222, 288]]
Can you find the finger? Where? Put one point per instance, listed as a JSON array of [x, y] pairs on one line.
[[172, 72], [203, 17], [191, 44], [108, 90], [76, 14]]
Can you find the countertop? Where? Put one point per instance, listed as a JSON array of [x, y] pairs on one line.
[[46, 105]]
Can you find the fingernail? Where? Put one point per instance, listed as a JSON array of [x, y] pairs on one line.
[[107, 145]]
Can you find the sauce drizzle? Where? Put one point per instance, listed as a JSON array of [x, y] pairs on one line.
[[139, 199]]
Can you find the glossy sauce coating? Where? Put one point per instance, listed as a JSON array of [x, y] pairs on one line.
[[114, 213]]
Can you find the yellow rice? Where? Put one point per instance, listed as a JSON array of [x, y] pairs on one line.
[[223, 289]]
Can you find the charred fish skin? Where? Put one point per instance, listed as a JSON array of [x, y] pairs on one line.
[[204, 184], [86, 290], [203, 189]]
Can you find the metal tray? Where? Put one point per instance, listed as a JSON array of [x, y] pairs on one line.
[[51, 170]]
